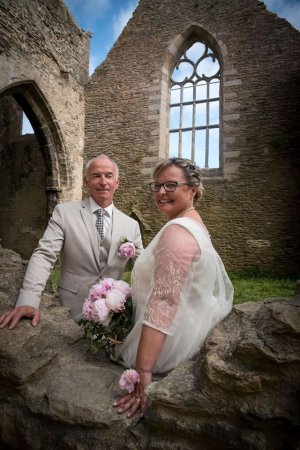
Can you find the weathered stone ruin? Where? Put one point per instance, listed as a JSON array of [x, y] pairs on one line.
[[241, 392], [44, 65], [251, 205]]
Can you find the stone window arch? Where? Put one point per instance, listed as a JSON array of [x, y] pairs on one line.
[[159, 98], [194, 130]]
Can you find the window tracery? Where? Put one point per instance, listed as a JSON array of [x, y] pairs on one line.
[[195, 107]]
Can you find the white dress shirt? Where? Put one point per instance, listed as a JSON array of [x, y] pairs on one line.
[[107, 214]]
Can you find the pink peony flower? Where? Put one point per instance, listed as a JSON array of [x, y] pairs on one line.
[[123, 287], [107, 283], [126, 250], [87, 309], [128, 379], [97, 291], [100, 312], [115, 300]]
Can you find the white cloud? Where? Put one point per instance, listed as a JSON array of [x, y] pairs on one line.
[[121, 19], [287, 9], [89, 11]]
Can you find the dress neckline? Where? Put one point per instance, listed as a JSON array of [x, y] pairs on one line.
[[200, 224]]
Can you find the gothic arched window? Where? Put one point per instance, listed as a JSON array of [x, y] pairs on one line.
[[195, 107]]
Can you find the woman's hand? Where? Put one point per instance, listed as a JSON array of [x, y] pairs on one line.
[[131, 403]]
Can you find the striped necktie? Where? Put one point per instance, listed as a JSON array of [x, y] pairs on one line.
[[100, 222]]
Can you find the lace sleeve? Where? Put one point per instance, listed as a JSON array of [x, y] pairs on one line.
[[174, 255]]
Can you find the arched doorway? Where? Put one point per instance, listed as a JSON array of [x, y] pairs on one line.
[[31, 167]]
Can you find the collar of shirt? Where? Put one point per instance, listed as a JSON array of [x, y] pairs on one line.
[[107, 216], [108, 210]]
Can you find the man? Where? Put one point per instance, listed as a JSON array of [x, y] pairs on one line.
[[88, 243]]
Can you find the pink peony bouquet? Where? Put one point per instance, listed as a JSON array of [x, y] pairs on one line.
[[128, 379], [107, 314]]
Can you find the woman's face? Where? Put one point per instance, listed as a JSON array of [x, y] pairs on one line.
[[171, 204]]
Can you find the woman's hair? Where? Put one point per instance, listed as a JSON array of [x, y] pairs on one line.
[[191, 172]]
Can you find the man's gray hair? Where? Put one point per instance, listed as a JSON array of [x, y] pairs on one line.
[[90, 162]]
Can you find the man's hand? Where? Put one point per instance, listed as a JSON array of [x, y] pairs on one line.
[[11, 318]]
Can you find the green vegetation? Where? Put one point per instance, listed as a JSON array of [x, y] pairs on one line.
[[253, 285], [54, 276], [249, 285]]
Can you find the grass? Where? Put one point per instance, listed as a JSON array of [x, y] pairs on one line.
[[249, 285], [54, 275], [254, 286]]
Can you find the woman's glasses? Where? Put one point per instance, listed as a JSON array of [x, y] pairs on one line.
[[169, 186]]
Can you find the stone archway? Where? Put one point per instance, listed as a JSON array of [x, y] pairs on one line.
[[32, 167]]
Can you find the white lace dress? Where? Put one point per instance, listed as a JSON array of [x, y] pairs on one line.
[[180, 287]]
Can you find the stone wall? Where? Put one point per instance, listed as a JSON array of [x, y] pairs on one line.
[[252, 208], [22, 199], [44, 65]]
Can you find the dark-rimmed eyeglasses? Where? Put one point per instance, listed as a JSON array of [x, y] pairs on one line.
[[169, 186]]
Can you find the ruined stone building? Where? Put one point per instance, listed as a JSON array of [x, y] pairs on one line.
[[251, 203]]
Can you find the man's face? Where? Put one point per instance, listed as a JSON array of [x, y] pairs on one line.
[[102, 181]]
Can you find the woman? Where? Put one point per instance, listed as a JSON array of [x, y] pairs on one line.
[[180, 287]]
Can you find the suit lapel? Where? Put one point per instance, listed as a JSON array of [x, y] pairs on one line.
[[87, 218], [115, 236]]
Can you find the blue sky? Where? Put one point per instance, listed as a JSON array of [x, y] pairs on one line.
[[107, 18]]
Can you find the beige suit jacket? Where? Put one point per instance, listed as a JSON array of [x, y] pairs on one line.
[[71, 232]]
